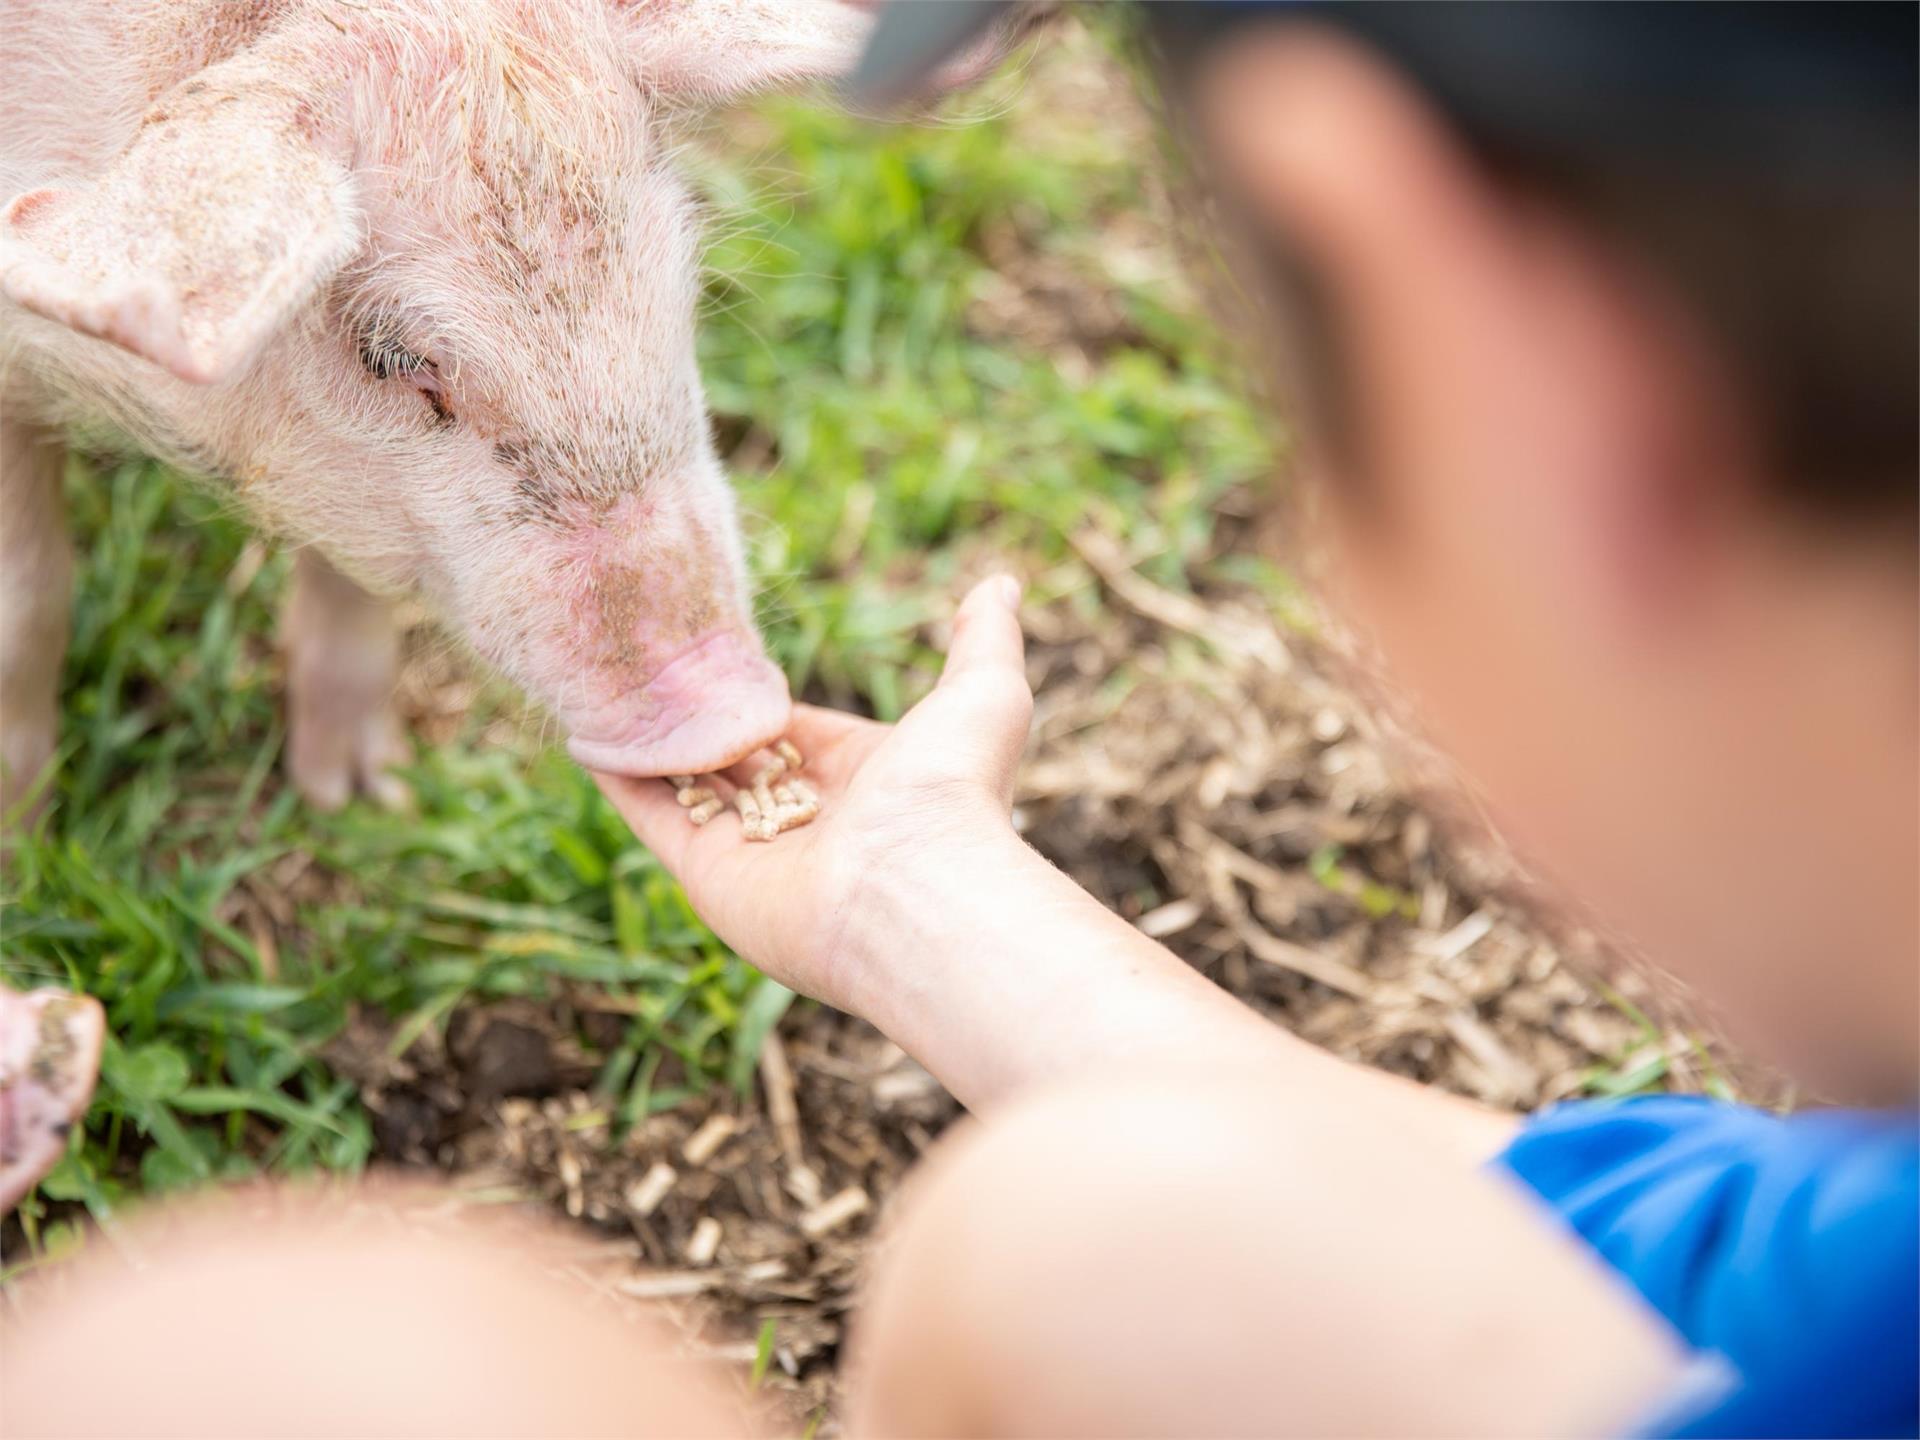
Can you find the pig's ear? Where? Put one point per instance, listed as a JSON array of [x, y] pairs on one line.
[[199, 240], [714, 51]]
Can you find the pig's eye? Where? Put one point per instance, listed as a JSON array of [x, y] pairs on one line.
[[385, 358]]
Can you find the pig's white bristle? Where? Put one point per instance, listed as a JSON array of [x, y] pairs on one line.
[[504, 207]]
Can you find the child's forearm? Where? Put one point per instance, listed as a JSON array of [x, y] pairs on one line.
[[1000, 974]]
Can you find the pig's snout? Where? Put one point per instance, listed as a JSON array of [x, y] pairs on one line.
[[714, 703], [654, 667]]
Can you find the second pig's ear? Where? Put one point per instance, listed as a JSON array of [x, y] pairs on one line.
[[201, 238], [710, 52]]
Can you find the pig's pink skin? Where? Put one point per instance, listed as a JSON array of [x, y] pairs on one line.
[[661, 676], [631, 618], [481, 195], [715, 703]]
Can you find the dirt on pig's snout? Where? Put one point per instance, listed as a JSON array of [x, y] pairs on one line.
[[636, 627], [651, 660]]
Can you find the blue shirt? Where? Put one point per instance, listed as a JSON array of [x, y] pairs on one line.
[[1786, 1251]]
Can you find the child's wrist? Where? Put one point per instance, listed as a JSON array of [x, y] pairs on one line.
[[912, 917]]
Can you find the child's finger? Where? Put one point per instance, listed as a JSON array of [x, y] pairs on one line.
[[986, 633], [816, 729], [978, 715], [833, 745]]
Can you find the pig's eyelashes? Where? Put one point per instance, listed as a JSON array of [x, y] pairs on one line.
[[385, 358]]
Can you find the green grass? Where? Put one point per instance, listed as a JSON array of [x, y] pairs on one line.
[[896, 445]]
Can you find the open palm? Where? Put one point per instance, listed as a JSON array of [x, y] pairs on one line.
[[892, 797]]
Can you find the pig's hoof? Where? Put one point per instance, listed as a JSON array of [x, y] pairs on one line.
[[330, 762], [49, 1057]]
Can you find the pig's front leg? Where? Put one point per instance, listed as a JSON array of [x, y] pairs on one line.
[[36, 593], [343, 657]]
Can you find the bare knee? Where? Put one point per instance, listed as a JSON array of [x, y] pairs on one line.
[[1038, 1248], [1201, 1254], [278, 1311]]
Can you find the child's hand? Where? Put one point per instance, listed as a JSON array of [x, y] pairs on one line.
[[898, 803], [911, 902]]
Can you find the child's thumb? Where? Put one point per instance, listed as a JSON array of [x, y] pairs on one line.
[[986, 634], [984, 701]]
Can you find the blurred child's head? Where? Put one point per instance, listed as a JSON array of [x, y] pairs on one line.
[[1606, 335]]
